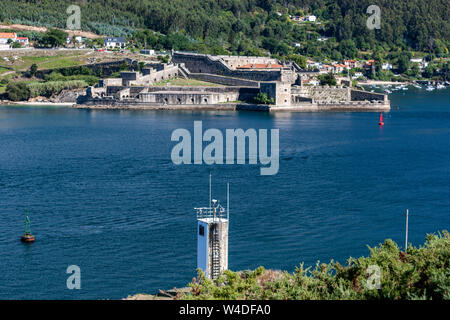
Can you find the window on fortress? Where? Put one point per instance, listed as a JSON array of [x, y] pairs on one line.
[[201, 230]]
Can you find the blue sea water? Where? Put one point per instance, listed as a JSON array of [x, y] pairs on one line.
[[103, 193]]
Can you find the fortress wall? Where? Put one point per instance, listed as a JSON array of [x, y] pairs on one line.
[[132, 78], [237, 61], [228, 81], [323, 94], [200, 63], [360, 95]]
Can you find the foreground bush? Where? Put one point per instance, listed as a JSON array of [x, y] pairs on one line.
[[421, 273]]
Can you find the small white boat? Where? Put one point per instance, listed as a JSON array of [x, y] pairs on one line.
[[430, 88], [440, 86]]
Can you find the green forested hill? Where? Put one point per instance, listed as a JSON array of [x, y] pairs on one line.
[[252, 26]]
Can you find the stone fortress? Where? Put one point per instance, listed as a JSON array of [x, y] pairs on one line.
[[237, 80]]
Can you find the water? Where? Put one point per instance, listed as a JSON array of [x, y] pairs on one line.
[[103, 193]]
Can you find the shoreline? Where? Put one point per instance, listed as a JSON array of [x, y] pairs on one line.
[[28, 103], [354, 106]]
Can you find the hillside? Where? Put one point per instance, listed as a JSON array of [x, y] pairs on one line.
[[252, 26]]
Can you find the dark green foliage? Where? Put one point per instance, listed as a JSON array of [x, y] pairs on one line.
[[262, 98], [327, 79], [249, 26], [163, 59], [422, 273], [17, 91], [54, 38], [33, 70]]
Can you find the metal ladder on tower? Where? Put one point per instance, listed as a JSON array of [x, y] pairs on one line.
[[215, 268]]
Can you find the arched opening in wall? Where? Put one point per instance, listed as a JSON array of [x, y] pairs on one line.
[[199, 70], [228, 99], [192, 100], [165, 100], [205, 100], [179, 100]]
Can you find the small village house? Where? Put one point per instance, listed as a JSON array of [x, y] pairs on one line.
[[350, 64], [338, 68], [421, 62], [115, 42], [23, 41], [386, 66], [5, 36]]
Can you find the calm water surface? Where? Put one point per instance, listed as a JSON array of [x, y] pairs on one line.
[[103, 193]]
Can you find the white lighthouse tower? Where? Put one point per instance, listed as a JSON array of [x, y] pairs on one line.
[[212, 237]]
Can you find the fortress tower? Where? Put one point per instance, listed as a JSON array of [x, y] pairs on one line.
[[212, 237]]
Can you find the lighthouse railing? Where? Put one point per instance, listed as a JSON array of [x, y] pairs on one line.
[[218, 212]]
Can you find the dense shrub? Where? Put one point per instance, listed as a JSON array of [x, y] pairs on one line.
[[262, 98], [49, 88], [327, 79], [421, 273], [17, 91]]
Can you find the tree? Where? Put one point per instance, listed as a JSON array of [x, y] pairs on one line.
[[348, 48], [327, 79], [54, 38], [403, 63], [298, 59], [17, 91], [33, 70], [262, 98]]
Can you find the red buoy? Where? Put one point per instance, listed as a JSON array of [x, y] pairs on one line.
[[27, 238], [381, 123]]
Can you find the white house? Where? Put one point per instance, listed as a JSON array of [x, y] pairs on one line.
[[148, 52], [386, 66], [23, 41], [357, 75], [113, 42], [421, 62], [5, 36], [311, 18]]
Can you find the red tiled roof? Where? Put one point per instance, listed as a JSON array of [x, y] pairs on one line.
[[7, 35]]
